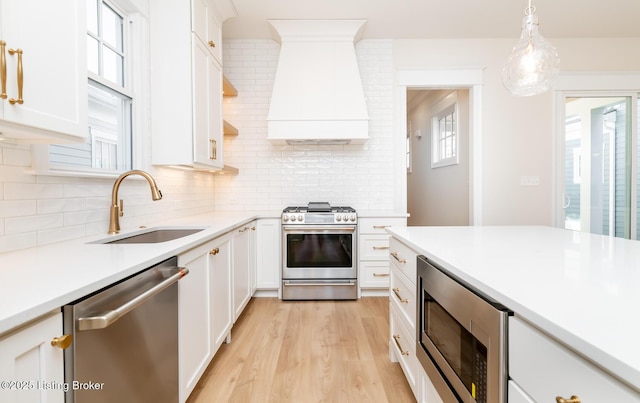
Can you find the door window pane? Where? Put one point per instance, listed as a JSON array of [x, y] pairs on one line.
[[597, 165]]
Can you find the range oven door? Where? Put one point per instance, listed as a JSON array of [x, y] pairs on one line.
[[319, 252], [461, 338]]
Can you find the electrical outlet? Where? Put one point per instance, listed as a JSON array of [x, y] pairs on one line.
[[529, 180]]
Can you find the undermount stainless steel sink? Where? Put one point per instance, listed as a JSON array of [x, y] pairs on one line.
[[151, 235]]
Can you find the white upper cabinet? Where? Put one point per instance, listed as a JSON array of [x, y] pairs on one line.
[[207, 28], [186, 84], [43, 65]]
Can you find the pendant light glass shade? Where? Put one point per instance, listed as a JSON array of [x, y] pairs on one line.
[[533, 63]]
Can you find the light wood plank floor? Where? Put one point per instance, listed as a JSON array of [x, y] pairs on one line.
[[307, 351]]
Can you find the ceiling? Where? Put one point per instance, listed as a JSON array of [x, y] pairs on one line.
[[445, 18]]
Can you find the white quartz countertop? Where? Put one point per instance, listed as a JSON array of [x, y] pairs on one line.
[[38, 280], [579, 288]]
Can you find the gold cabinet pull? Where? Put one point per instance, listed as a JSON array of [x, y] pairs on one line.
[[253, 228], [397, 292], [396, 338], [243, 229], [395, 255], [62, 342], [380, 247], [20, 101], [381, 226], [3, 69], [212, 44], [572, 399], [380, 274], [214, 252], [214, 150]]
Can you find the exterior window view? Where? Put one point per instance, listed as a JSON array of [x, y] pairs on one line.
[[431, 201], [601, 165]]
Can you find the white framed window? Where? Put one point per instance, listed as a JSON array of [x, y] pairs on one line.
[[444, 133], [108, 149]]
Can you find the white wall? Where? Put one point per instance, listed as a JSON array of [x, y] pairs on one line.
[[517, 133], [275, 176]]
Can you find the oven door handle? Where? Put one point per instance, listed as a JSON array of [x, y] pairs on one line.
[[334, 228]]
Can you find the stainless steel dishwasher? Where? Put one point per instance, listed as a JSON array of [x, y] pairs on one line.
[[125, 340]]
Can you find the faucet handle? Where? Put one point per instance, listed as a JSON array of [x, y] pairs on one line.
[[121, 208]]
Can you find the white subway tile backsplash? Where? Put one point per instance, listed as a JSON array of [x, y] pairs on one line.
[[17, 208], [32, 191], [9, 243], [19, 225], [48, 206], [66, 233]]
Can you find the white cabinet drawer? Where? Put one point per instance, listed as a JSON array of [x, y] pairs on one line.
[[516, 394], [374, 247], [378, 225], [403, 258], [403, 345], [546, 369], [403, 296], [374, 274]]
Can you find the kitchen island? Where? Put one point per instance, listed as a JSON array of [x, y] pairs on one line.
[[580, 290]]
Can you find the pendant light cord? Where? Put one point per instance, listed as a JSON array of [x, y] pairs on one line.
[[530, 10]]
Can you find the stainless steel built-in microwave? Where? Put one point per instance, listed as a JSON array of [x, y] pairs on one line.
[[461, 338]]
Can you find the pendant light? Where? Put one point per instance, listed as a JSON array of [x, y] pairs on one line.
[[533, 63]]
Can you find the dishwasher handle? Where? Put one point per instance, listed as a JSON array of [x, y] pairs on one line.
[[108, 318]]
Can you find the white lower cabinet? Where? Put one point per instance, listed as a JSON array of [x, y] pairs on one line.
[[204, 309], [373, 251], [543, 369], [516, 394], [402, 314], [220, 290], [242, 257], [31, 368], [402, 320], [268, 253], [403, 348], [221, 281]]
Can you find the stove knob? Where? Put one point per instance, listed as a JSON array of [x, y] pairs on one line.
[[338, 218], [352, 218], [285, 218], [300, 218]]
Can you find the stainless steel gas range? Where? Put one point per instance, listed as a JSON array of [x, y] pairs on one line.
[[319, 252]]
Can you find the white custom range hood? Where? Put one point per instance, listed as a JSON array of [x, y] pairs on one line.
[[317, 93]]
